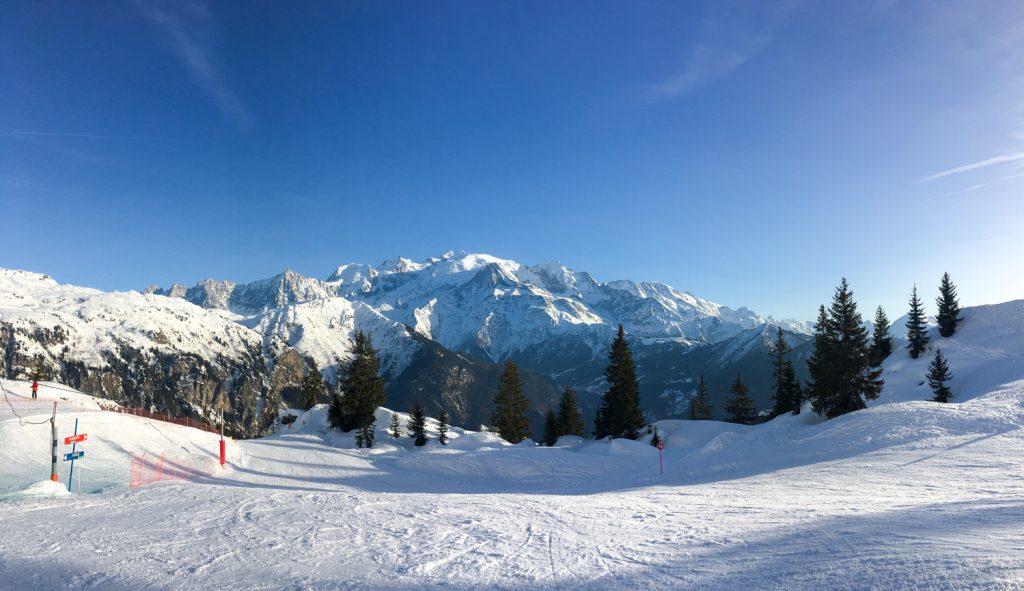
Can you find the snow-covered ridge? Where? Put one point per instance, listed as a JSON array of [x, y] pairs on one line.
[[91, 323], [479, 302]]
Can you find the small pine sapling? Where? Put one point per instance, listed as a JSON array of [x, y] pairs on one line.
[[442, 428]]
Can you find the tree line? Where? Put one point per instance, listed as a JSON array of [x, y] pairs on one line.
[[844, 367]]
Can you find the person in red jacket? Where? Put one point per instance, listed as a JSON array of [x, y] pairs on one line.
[[35, 388]]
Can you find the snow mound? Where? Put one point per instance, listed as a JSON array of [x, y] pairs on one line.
[[43, 488]]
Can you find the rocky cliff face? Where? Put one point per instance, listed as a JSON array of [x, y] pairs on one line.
[[139, 350]]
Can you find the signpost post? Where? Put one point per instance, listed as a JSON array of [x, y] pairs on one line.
[[661, 467], [74, 455], [53, 444]]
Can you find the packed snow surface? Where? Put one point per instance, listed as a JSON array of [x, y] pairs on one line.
[[908, 494]]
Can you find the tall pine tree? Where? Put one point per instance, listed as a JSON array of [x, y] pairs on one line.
[[336, 411], [363, 388], [552, 430], [917, 329], [841, 368], [418, 424], [510, 406], [949, 307], [314, 389], [740, 408], [570, 418], [938, 375], [700, 405], [787, 390], [881, 340], [620, 414]]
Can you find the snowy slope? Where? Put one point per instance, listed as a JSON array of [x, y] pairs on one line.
[[904, 495], [911, 495], [986, 351], [91, 323], [324, 329]]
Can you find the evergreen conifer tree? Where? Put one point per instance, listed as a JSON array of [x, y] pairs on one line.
[[700, 405], [570, 418], [795, 389], [821, 356], [314, 389], [841, 369], [552, 430], [949, 307], [510, 407], [364, 435], [336, 411], [787, 389], [881, 340], [655, 438], [917, 329], [600, 425], [740, 408], [442, 428], [395, 428], [620, 412], [418, 424], [938, 375], [363, 387]]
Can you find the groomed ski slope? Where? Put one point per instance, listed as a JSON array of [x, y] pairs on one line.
[[904, 495]]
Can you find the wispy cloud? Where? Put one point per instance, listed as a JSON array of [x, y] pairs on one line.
[[82, 135], [1009, 177], [188, 30], [1011, 157], [727, 36]]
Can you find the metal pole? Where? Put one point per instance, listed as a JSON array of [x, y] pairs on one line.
[[53, 444], [222, 437], [74, 444]]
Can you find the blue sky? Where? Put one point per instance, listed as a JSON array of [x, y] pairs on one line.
[[751, 153]]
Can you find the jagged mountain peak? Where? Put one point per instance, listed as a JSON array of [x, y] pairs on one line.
[[483, 303]]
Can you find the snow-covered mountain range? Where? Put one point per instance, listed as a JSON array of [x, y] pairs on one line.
[[492, 306], [441, 325]]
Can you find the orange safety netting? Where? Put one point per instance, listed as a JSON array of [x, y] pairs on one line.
[[183, 421], [149, 468]]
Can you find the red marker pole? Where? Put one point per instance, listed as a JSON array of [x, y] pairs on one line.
[[661, 467], [222, 438]]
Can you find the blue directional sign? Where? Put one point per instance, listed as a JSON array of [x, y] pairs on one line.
[[74, 456]]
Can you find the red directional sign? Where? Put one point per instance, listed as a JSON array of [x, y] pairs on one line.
[[75, 438], [661, 445]]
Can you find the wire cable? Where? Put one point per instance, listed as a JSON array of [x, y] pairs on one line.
[[50, 385], [22, 420]]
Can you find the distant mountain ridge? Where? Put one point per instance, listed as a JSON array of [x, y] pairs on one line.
[[484, 289], [442, 326], [498, 309]]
